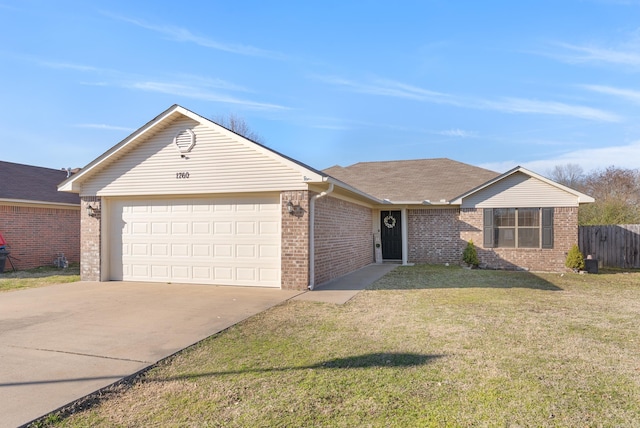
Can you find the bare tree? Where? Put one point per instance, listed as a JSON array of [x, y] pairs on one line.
[[617, 195], [238, 125], [570, 175], [614, 184]]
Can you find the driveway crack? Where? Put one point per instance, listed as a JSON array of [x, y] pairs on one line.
[[82, 354]]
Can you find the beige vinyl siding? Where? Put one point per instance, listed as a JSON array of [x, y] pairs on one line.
[[218, 163], [522, 191]]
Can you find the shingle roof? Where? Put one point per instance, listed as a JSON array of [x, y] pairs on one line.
[[413, 180], [33, 184]]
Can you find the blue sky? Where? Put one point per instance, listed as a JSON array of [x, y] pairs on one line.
[[491, 83]]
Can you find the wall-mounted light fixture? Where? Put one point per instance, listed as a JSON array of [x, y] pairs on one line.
[[92, 211], [290, 208]]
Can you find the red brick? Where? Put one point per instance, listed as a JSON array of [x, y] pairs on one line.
[[35, 235]]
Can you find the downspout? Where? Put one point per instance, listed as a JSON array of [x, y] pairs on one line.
[[312, 219]]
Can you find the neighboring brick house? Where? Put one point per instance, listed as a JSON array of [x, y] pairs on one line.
[[36, 220], [184, 199]]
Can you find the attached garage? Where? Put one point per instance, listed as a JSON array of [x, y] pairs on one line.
[[221, 241]]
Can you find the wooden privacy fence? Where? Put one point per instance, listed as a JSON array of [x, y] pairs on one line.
[[612, 245]]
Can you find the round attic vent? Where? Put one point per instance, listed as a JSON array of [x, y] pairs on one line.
[[185, 140]]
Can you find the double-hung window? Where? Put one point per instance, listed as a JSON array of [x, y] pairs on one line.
[[518, 227]]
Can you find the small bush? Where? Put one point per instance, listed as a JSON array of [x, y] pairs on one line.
[[470, 255], [574, 260]]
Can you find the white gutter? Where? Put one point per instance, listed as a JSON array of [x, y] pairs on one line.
[[312, 219]]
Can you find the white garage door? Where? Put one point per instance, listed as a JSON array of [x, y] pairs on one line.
[[202, 241]]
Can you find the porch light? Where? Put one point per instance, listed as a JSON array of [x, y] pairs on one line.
[[290, 207], [92, 212]]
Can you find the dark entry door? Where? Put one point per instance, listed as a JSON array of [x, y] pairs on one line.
[[391, 235]]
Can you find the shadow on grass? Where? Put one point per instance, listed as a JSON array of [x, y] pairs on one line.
[[440, 276], [380, 359]]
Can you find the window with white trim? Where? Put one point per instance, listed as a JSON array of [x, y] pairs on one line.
[[518, 228]]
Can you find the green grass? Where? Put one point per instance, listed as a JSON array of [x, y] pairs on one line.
[[37, 277], [425, 346]]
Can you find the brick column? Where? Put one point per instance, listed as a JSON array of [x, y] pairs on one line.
[[295, 240], [90, 240]]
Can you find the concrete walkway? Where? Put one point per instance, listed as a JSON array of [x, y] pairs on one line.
[[343, 289], [62, 342]]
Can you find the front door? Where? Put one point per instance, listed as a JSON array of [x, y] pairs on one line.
[[391, 235]]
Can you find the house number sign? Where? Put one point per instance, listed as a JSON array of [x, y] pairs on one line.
[[182, 175]]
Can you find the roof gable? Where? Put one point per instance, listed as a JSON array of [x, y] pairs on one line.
[[523, 188], [149, 162], [33, 184], [413, 181]]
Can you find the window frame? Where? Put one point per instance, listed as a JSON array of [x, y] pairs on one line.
[[491, 228]]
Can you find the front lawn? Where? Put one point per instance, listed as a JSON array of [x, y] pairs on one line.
[[425, 346], [37, 277]]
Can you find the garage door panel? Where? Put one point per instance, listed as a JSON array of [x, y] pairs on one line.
[[159, 250], [180, 250], [223, 250], [246, 228], [159, 228], [159, 208], [269, 228], [222, 228], [269, 275], [201, 250], [139, 228], [178, 228], [140, 271], [201, 228], [269, 251], [210, 241], [223, 273], [180, 273], [202, 273], [161, 271]]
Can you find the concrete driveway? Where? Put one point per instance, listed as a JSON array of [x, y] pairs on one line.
[[62, 342]]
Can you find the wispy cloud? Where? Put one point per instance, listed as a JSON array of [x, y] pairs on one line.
[[457, 133], [596, 54], [622, 156], [68, 66], [184, 85], [332, 127], [103, 127], [188, 91], [521, 105], [627, 94], [180, 34], [395, 89], [386, 88]]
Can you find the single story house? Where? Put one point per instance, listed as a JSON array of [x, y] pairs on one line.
[[183, 199], [38, 222]]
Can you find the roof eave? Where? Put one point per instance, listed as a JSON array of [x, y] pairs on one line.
[[352, 189], [34, 202], [427, 203]]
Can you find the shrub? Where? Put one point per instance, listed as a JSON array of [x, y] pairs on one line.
[[574, 260], [470, 255]]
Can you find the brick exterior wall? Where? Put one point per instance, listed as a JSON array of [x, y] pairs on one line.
[[90, 267], [295, 241], [434, 236], [343, 234], [35, 236], [565, 234]]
